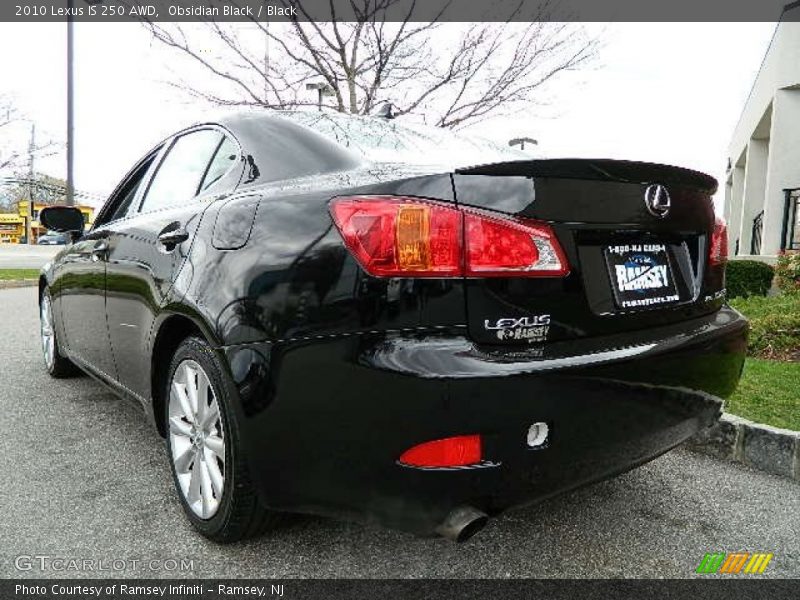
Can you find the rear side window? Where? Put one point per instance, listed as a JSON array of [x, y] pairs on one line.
[[178, 177], [223, 160]]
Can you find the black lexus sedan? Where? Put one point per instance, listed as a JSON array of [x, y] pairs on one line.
[[358, 317]]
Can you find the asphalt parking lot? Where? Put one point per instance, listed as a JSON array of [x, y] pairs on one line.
[[85, 477]]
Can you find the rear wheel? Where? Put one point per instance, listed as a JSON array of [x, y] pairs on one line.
[[56, 364], [203, 446]]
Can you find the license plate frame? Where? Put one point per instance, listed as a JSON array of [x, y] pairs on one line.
[[641, 275]]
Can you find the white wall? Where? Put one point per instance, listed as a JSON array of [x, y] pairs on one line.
[[737, 193], [755, 185], [768, 136], [783, 165], [781, 68]]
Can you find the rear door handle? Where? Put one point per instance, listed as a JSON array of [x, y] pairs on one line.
[[172, 238]]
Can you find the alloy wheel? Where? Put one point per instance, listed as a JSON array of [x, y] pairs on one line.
[[197, 439], [48, 332]]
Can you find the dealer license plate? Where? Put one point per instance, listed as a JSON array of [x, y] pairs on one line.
[[641, 276]]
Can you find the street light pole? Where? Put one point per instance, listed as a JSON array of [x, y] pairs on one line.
[[323, 89], [70, 106], [521, 141]]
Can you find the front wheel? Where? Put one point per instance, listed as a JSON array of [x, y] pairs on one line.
[[56, 364], [203, 446]]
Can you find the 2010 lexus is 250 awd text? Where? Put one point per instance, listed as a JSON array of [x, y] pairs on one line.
[[356, 317]]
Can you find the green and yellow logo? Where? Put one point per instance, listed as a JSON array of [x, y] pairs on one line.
[[734, 562]]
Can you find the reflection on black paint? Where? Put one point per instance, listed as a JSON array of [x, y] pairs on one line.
[[251, 375], [253, 171]]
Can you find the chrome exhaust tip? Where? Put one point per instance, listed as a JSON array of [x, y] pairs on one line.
[[462, 523]]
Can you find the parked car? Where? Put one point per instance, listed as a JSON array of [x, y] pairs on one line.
[[52, 238], [356, 317]]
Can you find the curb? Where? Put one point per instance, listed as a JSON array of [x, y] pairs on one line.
[[761, 447], [17, 283]]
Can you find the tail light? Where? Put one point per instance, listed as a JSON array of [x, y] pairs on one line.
[[718, 249], [394, 237], [408, 237], [502, 247], [449, 452]]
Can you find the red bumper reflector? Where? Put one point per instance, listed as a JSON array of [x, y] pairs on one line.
[[449, 452]]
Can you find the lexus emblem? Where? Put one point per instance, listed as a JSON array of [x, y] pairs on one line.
[[657, 200]]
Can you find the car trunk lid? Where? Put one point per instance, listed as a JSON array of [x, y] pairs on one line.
[[636, 236]]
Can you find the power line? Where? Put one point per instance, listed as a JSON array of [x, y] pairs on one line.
[[59, 189]]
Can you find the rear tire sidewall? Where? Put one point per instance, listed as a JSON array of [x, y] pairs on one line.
[[200, 352]]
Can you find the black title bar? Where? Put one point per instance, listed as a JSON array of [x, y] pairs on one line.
[[399, 10], [401, 589]]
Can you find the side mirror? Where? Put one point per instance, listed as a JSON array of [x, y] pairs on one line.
[[64, 219]]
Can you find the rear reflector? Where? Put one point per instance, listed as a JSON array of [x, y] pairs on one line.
[[718, 249], [449, 452], [409, 237]]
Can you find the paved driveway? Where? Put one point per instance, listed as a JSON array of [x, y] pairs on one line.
[[83, 476]]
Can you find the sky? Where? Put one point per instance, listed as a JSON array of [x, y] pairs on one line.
[[662, 92]]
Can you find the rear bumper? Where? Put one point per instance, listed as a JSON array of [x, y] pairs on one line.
[[324, 421]]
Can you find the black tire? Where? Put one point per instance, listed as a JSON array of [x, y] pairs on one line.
[[60, 366], [240, 513]]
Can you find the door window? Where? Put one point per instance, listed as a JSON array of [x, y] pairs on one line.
[[178, 177], [127, 194]]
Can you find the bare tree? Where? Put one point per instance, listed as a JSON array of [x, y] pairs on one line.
[[42, 188], [13, 156], [9, 115], [456, 74]]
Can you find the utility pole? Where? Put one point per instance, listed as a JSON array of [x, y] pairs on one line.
[[31, 170], [70, 106], [31, 184]]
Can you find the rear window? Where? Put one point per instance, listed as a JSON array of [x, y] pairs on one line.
[[381, 140]]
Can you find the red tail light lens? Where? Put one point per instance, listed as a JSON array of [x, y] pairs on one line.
[[503, 247], [718, 249], [396, 237], [408, 237], [449, 452]]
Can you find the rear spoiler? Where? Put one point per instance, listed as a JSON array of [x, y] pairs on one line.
[[602, 169]]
